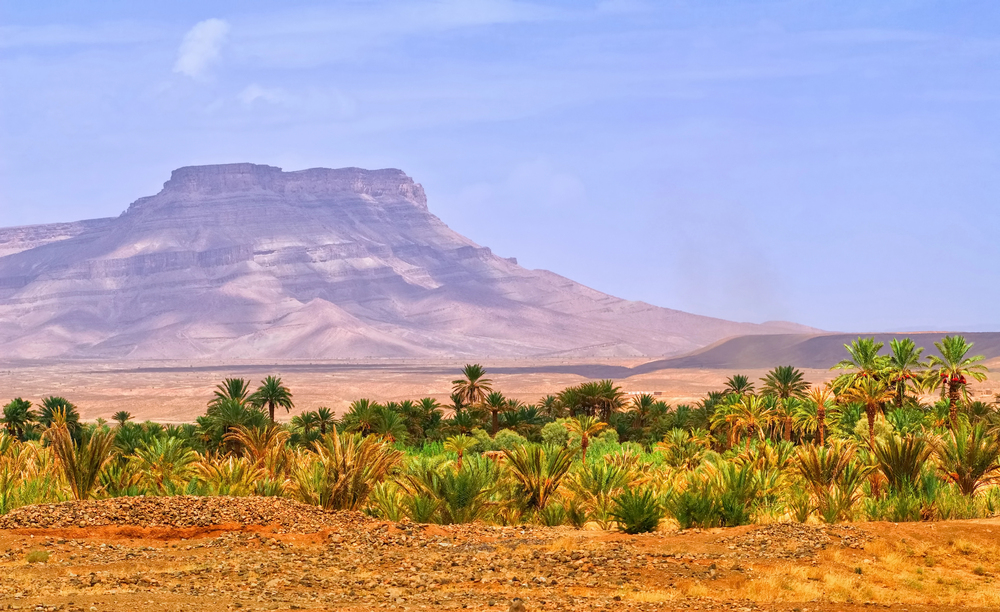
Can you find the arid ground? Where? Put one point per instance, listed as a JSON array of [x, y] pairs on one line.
[[178, 392], [345, 561]]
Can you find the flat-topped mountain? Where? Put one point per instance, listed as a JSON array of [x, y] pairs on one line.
[[247, 261]]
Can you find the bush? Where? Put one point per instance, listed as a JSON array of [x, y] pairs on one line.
[[637, 511], [696, 505], [555, 433], [552, 515], [37, 556], [508, 439], [484, 443]]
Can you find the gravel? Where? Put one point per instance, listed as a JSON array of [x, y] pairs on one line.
[[181, 512]]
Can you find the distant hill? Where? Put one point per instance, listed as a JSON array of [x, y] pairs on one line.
[[802, 350], [247, 261]]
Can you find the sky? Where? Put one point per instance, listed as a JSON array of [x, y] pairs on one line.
[[831, 163]]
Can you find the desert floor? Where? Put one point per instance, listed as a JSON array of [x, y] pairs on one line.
[[178, 392], [350, 562]]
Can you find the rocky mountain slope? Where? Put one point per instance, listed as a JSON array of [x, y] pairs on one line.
[[247, 261]]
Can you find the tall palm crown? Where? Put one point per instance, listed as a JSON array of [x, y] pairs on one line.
[[55, 405], [951, 371], [585, 426], [785, 382], [864, 359], [822, 399], [272, 393], [473, 387], [325, 419], [740, 384], [237, 389], [904, 366], [17, 417], [873, 394], [496, 403]]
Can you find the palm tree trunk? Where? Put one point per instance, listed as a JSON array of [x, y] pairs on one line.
[[495, 422], [953, 404], [584, 443], [788, 429], [270, 411], [821, 417]]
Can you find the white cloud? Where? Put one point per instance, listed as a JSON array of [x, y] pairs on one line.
[[201, 47]]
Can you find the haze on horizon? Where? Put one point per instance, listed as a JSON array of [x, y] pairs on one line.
[[828, 163]]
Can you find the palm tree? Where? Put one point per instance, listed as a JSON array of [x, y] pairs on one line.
[[360, 416], [121, 417], [585, 426], [864, 360], [538, 472], [496, 403], [80, 462], [389, 425], [873, 394], [473, 387], [752, 413], [306, 421], [271, 393], [642, 407], [551, 407], [55, 405], [903, 365], [458, 445], [952, 370], [785, 382], [822, 397], [325, 419], [17, 417], [970, 458], [739, 384], [237, 389]]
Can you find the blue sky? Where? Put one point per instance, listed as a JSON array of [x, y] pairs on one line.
[[831, 163]]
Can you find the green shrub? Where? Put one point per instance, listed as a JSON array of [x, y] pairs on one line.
[[421, 508], [696, 506], [484, 443], [577, 514], [552, 515], [637, 511], [555, 433], [508, 439], [37, 556]]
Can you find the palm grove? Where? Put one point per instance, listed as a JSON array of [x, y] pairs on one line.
[[863, 446]]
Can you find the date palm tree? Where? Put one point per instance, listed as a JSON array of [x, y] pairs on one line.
[[17, 417], [873, 394], [53, 406], [822, 398], [865, 361], [785, 382], [306, 421], [538, 472], [739, 384], [495, 403], [237, 389], [272, 393], [121, 417], [459, 445], [904, 367], [473, 387], [970, 457], [585, 426], [325, 419], [752, 413], [951, 371], [79, 461]]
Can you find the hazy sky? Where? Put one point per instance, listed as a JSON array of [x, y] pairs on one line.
[[832, 163]]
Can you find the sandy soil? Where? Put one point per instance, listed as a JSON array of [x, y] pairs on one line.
[[178, 392], [367, 565]]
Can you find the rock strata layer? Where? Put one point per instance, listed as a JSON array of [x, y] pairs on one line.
[[247, 261]]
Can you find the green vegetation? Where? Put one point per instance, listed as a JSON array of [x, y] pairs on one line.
[[862, 446]]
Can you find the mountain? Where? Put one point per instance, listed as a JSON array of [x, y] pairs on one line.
[[247, 261]]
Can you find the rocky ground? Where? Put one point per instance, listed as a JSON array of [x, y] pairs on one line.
[[264, 554]]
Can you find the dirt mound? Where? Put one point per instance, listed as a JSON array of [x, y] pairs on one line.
[[795, 540], [181, 512]]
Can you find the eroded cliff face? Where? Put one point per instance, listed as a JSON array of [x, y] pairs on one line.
[[248, 261]]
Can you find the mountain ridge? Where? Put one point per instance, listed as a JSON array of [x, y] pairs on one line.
[[249, 260]]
